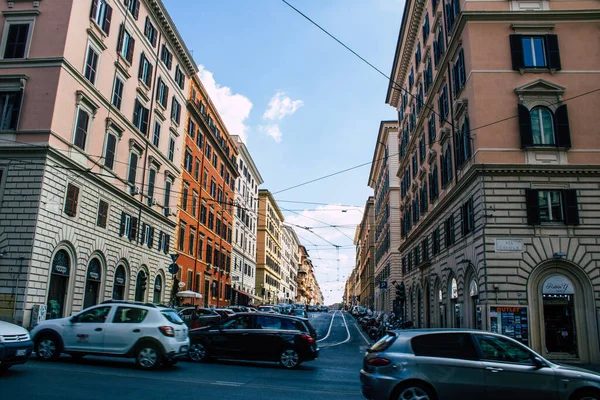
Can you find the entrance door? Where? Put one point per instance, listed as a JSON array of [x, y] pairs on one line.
[[559, 319]]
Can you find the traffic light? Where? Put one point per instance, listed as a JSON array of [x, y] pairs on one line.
[[400, 292]]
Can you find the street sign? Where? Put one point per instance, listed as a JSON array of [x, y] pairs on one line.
[[383, 285], [181, 285], [173, 268], [174, 257]]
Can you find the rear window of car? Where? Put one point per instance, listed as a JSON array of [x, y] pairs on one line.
[[445, 345], [383, 344], [129, 315], [172, 317]]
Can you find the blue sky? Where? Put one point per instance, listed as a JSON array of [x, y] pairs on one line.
[[306, 106]]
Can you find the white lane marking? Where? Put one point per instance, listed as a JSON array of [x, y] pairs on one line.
[[363, 335], [345, 341], [225, 383], [329, 331]]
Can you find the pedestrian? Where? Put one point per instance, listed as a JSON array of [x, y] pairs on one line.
[[196, 317]]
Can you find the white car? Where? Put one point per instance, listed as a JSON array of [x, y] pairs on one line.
[[150, 334], [15, 345]]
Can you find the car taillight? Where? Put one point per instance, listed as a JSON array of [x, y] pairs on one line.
[[167, 331], [308, 338], [379, 362]]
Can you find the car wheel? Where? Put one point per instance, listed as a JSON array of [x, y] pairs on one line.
[[289, 359], [197, 352], [47, 348], [148, 356], [414, 392], [586, 395]]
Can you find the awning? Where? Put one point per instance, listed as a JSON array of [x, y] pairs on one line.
[[189, 293], [247, 294]]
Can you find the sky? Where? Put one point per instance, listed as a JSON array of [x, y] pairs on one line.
[[305, 106]]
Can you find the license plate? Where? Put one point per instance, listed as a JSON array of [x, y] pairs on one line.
[[21, 352]]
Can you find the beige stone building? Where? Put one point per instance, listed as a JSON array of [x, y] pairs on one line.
[[386, 187], [268, 248], [364, 240], [499, 169]]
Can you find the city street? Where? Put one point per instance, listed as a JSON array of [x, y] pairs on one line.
[[334, 374]]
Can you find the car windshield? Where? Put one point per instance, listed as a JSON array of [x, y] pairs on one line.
[[172, 317]]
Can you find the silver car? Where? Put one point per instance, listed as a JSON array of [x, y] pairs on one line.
[[427, 364]]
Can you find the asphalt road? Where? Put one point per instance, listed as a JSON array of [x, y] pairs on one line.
[[333, 375]]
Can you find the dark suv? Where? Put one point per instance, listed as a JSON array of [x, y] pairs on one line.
[[257, 336]]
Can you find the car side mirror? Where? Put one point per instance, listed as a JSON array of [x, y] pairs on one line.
[[539, 363], [73, 319]]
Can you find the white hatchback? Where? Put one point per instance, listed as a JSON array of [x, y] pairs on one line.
[[150, 334]]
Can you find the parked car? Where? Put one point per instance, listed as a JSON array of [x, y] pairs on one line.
[[257, 336], [152, 335], [300, 312], [239, 309], [313, 308], [206, 316], [267, 309], [323, 309], [463, 364], [224, 312], [15, 345]]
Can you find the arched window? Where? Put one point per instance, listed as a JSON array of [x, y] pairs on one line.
[[119, 285], [156, 298], [141, 284], [59, 280], [92, 284], [542, 126]]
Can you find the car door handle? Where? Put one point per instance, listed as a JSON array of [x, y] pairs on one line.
[[494, 369], [136, 331], [98, 329]]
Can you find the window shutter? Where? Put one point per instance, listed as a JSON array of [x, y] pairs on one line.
[[151, 238], [136, 9], [533, 208], [150, 71], [94, 9], [107, 20], [462, 71], [120, 39], [122, 226], [563, 132], [467, 138], [144, 126], [160, 240], [440, 112], [130, 48], [71, 203], [146, 26], [571, 209], [133, 229], [158, 85], [136, 112], [516, 51], [525, 127], [141, 68], [167, 243], [165, 96], [553, 53], [143, 233]]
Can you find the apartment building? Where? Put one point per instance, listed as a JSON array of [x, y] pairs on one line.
[[305, 277], [268, 254], [364, 241], [86, 197], [384, 181], [289, 265], [204, 236], [243, 270], [499, 169]]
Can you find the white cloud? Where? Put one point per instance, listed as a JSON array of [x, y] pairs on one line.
[[234, 108], [280, 106], [271, 130], [324, 256]]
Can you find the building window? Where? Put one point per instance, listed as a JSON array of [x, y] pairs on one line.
[[422, 149], [194, 202], [213, 188], [162, 93], [418, 56], [443, 107], [171, 148], [133, 6], [188, 161], [415, 165], [145, 71], [197, 169], [10, 103], [91, 65], [72, 200], [150, 32], [109, 152], [133, 160], [181, 241], [459, 76], [203, 214], [117, 96], [175, 111], [184, 197], [411, 77], [211, 220], [191, 241], [151, 185], [435, 241], [125, 44], [462, 144], [538, 127], [140, 117], [446, 167], [156, 136], [102, 215], [468, 217], [426, 28], [179, 77], [167, 198], [101, 13], [16, 39], [535, 52], [431, 128], [81, 128], [449, 231], [166, 57], [552, 206], [434, 190]]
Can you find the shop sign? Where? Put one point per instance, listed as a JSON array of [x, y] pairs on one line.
[[94, 270], [157, 286], [235, 278], [511, 321], [557, 284], [508, 245], [119, 280], [61, 269]]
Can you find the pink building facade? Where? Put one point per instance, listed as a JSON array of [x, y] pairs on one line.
[[93, 95], [499, 169]]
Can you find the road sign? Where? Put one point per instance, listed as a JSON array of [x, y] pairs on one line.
[[383, 285], [174, 257], [181, 285], [173, 268]]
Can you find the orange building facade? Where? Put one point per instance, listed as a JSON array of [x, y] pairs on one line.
[[205, 209]]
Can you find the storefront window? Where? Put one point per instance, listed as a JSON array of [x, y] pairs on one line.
[[157, 290], [119, 286], [92, 285], [59, 279], [559, 320], [140, 286]]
